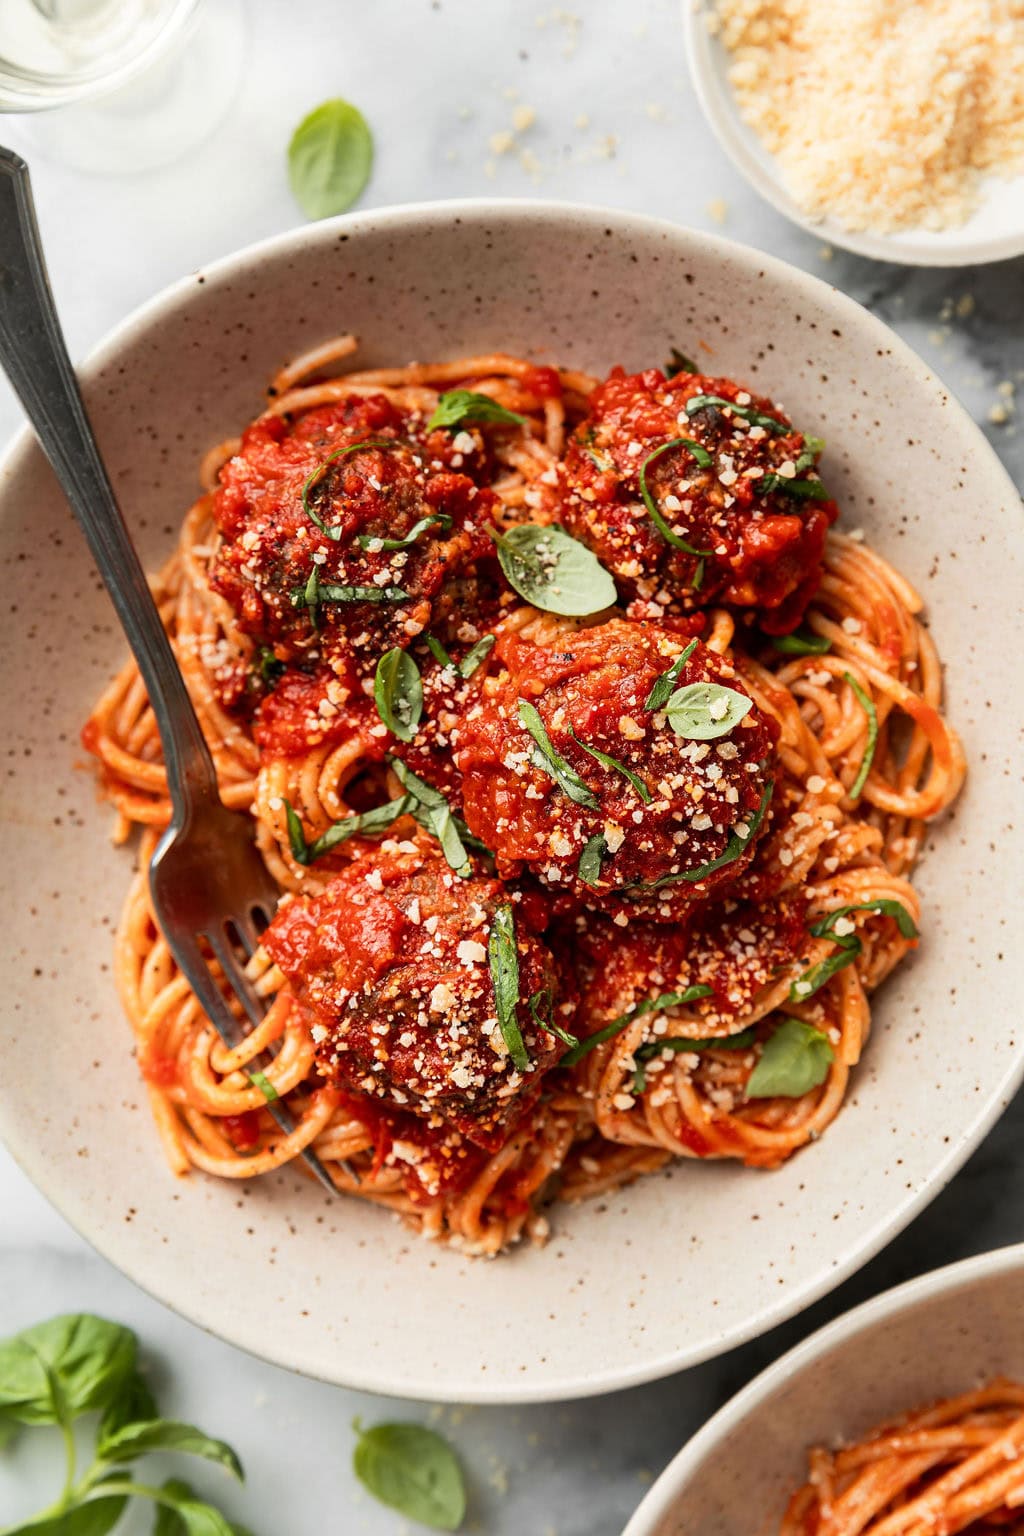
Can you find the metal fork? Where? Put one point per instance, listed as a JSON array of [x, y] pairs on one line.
[[207, 879]]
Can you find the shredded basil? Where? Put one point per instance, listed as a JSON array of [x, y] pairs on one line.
[[433, 813], [440, 520], [664, 686], [398, 693], [318, 473], [478, 655], [794, 1060], [679, 363], [705, 711], [747, 412], [885, 907], [438, 651], [654, 1048], [638, 1011], [261, 1081], [366, 822], [315, 593], [551, 762], [607, 761], [869, 755], [553, 571], [589, 867], [804, 490], [460, 405], [802, 642], [269, 668], [503, 958], [543, 1000], [669, 534], [329, 158], [733, 849], [813, 979]]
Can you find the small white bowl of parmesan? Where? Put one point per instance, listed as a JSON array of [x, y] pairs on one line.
[[893, 128]]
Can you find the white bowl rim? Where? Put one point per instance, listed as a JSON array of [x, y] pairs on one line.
[[792, 1301], [659, 1500], [908, 251]]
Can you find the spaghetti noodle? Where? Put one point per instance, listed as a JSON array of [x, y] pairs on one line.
[[711, 979]]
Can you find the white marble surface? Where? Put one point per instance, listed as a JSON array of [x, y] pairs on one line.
[[617, 123]]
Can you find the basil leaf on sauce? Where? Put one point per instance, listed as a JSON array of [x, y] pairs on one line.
[[551, 762], [366, 822], [607, 761], [478, 655], [411, 1469], [869, 753], [438, 651], [732, 851], [261, 1081], [679, 363], [433, 813], [793, 1061], [315, 593], [314, 478], [503, 958], [676, 1044], [460, 405], [589, 867], [554, 572], [848, 945], [638, 1011], [804, 490], [802, 642], [664, 686], [546, 1019], [654, 512], [329, 158], [747, 412], [268, 667], [439, 520], [398, 693], [705, 711]]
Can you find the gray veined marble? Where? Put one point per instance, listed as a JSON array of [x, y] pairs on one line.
[[615, 122]]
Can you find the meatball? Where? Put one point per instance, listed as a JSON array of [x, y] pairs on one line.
[[390, 965], [309, 514], [743, 513], [569, 775]]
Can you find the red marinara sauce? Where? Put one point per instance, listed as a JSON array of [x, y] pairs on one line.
[[390, 965], [690, 800], [742, 491]]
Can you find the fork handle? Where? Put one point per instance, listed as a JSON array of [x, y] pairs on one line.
[[35, 358]]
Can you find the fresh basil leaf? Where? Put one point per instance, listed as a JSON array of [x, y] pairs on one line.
[[804, 490], [134, 1403], [398, 693], [94, 1518], [364, 824], [296, 834], [438, 651], [551, 762], [616, 1026], [869, 752], [413, 1470], [269, 668], [886, 907], [664, 686], [477, 656], [747, 412], [261, 1081], [434, 815], [732, 851], [439, 520], [503, 958], [542, 1008], [331, 593], [815, 446], [8, 1429], [192, 1517], [679, 363], [793, 1061], [87, 1358], [705, 711], [554, 572], [589, 866], [612, 763], [329, 158], [801, 642], [704, 459], [676, 1044], [459, 405], [815, 977], [133, 1440], [314, 478]]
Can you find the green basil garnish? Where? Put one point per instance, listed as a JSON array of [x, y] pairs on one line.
[[802, 642], [813, 979], [679, 363], [589, 867], [398, 693], [269, 668], [460, 405], [503, 958], [814, 447], [653, 1048], [793, 1061], [261, 1081], [318, 473], [554, 572], [733, 848], [377, 820], [705, 461], [664, 686], [607, 761], [440, 520], [747, 412], [438, 651], [411, 1469], [546, 1020], [432, 812], [329, 159], [848, 945], [705, 711], [551, 762], [478, 655], [315, 593], [886, 907], [649, 1005], [869, 755], [804, 490]]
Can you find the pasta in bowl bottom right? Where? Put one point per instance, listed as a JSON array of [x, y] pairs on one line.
[[904, 1417]]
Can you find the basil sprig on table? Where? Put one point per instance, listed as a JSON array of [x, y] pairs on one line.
[[705, 711], [439, 520], [329, 158], [869, 752], [664, 686], [704, 459], [732, 851], [61, 1370], [794, 1060], [411, 1469], [638, 1011], [677, 1044], [461, 405], [398, 693], [551, 762], [612, 763], [804, 490], [314, 479], [848, 945], [800, 642], [747, 412], [503, 958], [554, 571]]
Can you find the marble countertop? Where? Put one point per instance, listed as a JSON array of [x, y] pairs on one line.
[[616, 122]]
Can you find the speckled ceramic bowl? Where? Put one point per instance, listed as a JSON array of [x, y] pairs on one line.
[[680, 1266], [937, 1336]]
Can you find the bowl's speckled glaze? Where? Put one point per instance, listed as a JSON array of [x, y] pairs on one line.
[[946, 1333], [681, 1266]]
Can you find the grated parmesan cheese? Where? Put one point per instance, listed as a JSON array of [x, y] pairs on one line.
[[883, 114]]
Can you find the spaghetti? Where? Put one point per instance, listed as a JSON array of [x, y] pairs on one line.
[[957, 1466], [707, 913]]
